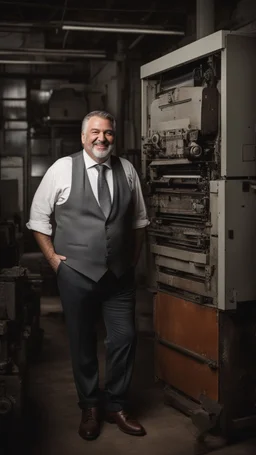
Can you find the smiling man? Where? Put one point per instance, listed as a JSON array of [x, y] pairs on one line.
[[101, 219]]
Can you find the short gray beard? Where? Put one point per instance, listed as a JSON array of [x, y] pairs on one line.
[[102, 154]]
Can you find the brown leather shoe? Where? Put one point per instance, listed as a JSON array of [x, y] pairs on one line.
[[125, 423], [90, 424]]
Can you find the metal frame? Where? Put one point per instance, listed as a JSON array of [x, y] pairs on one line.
[[223, 108], [143, 121], [232, 164], [237, 77], [221, 270], [198, 49]]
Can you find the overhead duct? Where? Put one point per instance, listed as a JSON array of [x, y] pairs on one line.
[[204, 18]]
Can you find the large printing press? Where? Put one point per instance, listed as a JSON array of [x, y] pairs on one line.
[[198, 161]]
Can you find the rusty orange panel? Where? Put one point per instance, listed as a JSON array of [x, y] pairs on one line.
[[185, 374], [187, 324]]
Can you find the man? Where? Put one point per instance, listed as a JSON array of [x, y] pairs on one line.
[[101, 219]]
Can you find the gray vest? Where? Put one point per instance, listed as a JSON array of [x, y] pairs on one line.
[[92, 244]]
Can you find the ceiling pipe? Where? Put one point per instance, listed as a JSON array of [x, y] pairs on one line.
[[142, 31], [54, 53], [125, 28], [59, 51], [33, 62], [135, 42]]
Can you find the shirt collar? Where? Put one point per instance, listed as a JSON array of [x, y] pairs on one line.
[[89, 162]]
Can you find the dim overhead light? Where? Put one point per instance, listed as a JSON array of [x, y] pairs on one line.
[[142, 31], [54, 53]]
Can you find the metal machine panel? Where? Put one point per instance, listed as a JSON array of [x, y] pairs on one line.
[[203, 47], [189, 204], [185, 284], [174, 264], [238, 113], [236, 243], [194, 327], [175, 369], [179, 254], [187, 345], [178, 119], [185, 107]]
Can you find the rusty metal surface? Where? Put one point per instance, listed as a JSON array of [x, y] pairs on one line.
[[187, 324], [188, 353], [227, 337], [185, 374], [193, 327]]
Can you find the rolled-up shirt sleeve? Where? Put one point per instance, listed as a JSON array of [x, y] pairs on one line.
[[140, 219], [43, 204]]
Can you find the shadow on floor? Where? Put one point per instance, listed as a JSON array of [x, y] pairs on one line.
[[52, 416]]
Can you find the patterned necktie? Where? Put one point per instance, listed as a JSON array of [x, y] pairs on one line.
[[103, 190]]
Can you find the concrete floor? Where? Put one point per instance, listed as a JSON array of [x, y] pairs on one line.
[[54, 416]]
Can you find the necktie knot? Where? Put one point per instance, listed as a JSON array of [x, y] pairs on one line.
[[101, 168]]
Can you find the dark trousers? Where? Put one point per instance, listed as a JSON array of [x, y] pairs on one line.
[[83, 300]]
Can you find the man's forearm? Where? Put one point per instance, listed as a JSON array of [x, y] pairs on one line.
[[45, 244], [139, 235]]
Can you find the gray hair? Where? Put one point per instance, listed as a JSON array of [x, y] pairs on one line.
[[101, 114]]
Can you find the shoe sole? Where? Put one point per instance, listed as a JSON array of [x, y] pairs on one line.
[[88, 438], [132, 434], [124, 431]]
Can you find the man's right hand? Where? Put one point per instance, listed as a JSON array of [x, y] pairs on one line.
[[55, 261], [45, 243]]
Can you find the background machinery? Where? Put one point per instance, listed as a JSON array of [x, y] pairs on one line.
[[198, 163]]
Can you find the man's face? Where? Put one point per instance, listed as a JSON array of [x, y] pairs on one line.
[[98, 139]]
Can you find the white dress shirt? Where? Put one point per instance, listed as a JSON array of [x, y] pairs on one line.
[[56, 185]]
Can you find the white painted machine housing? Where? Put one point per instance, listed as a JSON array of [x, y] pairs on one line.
[[233, 196]]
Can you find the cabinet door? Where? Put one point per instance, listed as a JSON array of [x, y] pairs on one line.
[[236, 243], [238, 111]]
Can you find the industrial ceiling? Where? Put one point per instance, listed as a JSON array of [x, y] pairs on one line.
[[75, 25]]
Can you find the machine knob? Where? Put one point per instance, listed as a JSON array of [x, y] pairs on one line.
[[155, 138], [195, 150]]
